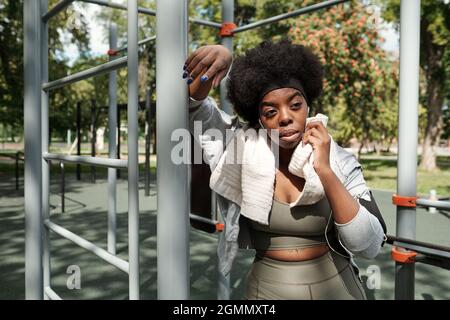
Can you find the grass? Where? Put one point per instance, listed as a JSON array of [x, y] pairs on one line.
[[381, 173]]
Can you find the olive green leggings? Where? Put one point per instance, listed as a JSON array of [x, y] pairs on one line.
[[328, 277]]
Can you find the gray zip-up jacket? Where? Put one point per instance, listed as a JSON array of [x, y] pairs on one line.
[[363, 236]]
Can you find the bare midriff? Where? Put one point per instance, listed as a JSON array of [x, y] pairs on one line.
[[300, 254]]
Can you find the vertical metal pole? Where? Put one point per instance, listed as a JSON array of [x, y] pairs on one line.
[[227, 42], [33, 151], [17, 170], [224, 290], [133, 135], [112, 148], [118, 138], [148, 97], [78, 138], [407, 137], [45, 146], [172, 179], [63, 188], [94, 136]]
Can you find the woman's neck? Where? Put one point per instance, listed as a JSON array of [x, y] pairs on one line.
[[285, 156]]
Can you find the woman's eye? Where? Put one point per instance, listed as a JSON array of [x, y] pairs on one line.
[[297, 105], [269, 113]]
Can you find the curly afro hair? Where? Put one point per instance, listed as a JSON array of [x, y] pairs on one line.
[[270, 63]]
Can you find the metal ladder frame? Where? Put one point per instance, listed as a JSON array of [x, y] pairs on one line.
[[37, 170]]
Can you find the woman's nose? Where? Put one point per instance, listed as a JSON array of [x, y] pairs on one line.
[[285, 118]]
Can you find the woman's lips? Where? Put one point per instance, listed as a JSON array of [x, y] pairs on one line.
[[290, 136]]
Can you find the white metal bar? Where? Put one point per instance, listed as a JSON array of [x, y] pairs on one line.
[[89, 246], [93, 161], [50, 294], [151, 12], [424, 250], [133, 149], [112, 146], [97, 70], [33, 162], [202, 219], [292, 14], [172, 179], [442, 205], [407, 137], [45, 143], [142, 42], [56, 9]]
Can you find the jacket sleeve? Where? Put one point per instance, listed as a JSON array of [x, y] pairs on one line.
[[365, 234], [211, 128]]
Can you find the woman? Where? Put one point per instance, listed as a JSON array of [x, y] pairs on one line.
[[319, 218]]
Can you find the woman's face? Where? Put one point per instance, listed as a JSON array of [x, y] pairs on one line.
[[285, 110]]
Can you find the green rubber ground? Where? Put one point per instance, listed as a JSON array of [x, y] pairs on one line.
[[86, 215]]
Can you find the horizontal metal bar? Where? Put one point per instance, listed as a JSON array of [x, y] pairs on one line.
[[442, 205], [202, 219], [206, 23], [56, 9], [89, 246], [419, 246], [52, 295], [142, 42], [119, 6], [294, 13], [97, 70], [151, 12], [423, 250], [93, 161], [433, 260]]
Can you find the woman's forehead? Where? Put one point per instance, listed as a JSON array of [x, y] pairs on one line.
[[281, 94]]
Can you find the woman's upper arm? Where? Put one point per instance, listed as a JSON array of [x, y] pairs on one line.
[[212, 128], [205, 115]]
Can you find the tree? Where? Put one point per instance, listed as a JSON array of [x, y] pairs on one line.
[[359, 87], [435, 64], [68, 28]]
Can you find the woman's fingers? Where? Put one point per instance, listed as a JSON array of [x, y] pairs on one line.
[[195, 61], [202, 64], [218, 78], [308, 138], [192, 56], [318, 125]]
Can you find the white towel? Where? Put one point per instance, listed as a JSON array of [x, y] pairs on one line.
[[245, 173]]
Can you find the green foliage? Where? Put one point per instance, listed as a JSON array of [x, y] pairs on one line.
[[69, 28], [434, 62], [360, 87]]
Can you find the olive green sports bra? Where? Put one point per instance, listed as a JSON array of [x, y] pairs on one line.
[[296, 227]]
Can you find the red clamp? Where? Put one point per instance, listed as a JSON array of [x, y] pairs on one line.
[[227, 29], [404, 201], [220, 227], [112, 52], [402, 255]]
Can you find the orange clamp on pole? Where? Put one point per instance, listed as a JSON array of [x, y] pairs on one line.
[[403, 256], [220, 227], [112, 52], [404, 201], [227, 29]]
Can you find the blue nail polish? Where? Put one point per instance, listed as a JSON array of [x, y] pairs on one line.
[[204, 78], [185, 66], [190, 80], [185, 74]]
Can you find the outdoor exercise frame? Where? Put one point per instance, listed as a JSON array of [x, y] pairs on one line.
[[173, 180]]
